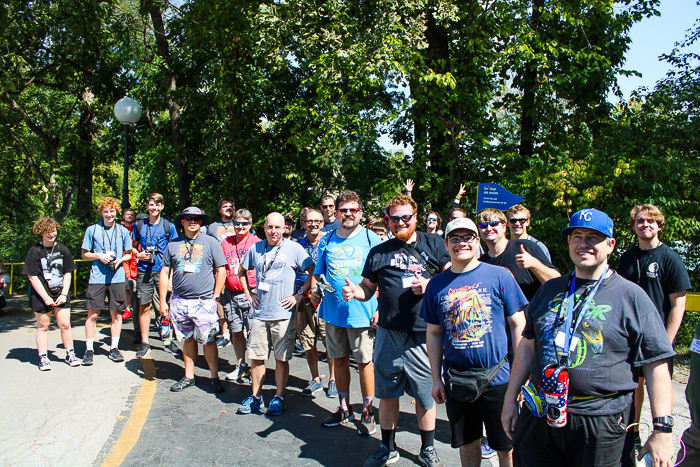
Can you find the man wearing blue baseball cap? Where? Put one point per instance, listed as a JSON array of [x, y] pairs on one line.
[[589, 336]]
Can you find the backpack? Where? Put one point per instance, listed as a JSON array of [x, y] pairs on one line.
[[166, 226]]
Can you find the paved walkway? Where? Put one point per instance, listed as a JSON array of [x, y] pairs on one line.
[[124, 414]]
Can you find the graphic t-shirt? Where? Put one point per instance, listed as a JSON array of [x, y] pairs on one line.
[[221, 229], [234, 252], [48, 265], [192, 263], [98, 239], [330, 226], [472, 308], [527, 280], [620, 332], [311, 250], [339, 259], [542, 246], [386, 265], [153, 236], [276, 267], [660, 272]]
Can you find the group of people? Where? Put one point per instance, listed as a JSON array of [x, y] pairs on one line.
[[552, 367]]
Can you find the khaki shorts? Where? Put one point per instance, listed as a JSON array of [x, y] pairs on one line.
[[342, 341], [278, 334], [309, 327]]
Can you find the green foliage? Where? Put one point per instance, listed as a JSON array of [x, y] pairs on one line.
[[686, 333]]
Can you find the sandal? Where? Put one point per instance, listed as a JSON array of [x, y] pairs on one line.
[[184, 383]]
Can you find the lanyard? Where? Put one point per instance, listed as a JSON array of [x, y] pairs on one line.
[[267, 268], [46, 250], [157, 236], [312, 249], [569, 300], [188, 251], [235, 246], [114, 237], [226, 227]]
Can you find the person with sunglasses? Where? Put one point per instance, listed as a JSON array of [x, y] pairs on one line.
[[328, 210], [234, 302], [518, 222], [198, 274], [400, 269], [433, 222]]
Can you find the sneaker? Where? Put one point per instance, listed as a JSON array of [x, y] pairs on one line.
[[87, 358], [237, 375], [222, 342], [144, 350], [429, 457], [332, 389], [216, 386], [115, 355], [251, 404], [44, 363], [71, 359], [486, 451], [340, 417], [126, 315], [276, 406], [382, 457], [171, 348], [367, 426], [184, 383], [313, 387], [298, 348]]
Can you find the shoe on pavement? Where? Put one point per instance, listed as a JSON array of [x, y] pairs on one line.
[[276, 406], [367, 426], [340, 417], [313, 387], [71, 359], [171, 348], [88, 357], [241, 371], [382, 457], [216, 386], [126, 315], [222, 342], [429, 457], [144, 350], [298, 348], [332, 389], [115, 355], [44, 363], [251, 404], [184, 383], [486, 451]]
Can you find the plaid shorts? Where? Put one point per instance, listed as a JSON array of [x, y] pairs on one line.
[[194, 318]]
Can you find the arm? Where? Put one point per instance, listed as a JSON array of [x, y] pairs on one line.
[[409, 186], [660, 389], [516, 321], [243, 279], [220, 280], [163, 286], [315, 296], [142, 255], [90, 256], [40, 291], [434, 341], [675, 316], [458, 198], [290, 302], [64, 292], [519, 373], [362, 292], [525, 260]]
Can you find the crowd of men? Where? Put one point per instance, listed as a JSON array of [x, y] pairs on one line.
[[551, 367]]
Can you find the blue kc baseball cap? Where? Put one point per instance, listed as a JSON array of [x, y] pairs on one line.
[[590, 219]]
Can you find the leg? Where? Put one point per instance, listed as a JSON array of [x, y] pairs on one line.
[[366, 378], [224, 328], [116, 328], [43, 320], [257, 373], [91, 324], [505, 458], [638, 403], [281, 376], [312, 361], [190, 352], [63, 322], [389, 413], [426, 418], [238, 340], [145, 321], [211, 354], [470, 454], [331, 369]]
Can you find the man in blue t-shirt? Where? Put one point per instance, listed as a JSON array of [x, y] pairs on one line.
[[341, 257], [105, 244], [469, 310], [153, 236]]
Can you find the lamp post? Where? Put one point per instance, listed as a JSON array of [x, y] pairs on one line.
[[128, 112]]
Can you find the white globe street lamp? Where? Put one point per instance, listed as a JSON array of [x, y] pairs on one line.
[[128, 112]]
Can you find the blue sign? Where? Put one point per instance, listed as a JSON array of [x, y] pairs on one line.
[[495, 196]]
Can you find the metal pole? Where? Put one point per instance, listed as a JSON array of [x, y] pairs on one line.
[[125, 186]]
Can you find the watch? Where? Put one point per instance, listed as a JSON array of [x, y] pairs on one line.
[[217, 298], [663, 424]]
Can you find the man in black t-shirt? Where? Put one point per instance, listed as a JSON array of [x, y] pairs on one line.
[[523, 258], [610, 331], [400, 269], [660, 271]]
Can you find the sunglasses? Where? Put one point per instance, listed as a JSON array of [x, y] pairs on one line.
[[352, 211], [326, 206], [193, 219], [317, 222], [457, 239], [406, 219], [491, 223], [518, 221], [431, 219], [236, 223]]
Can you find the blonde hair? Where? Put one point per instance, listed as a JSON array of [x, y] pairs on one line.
[[654, 212], [487, 214]]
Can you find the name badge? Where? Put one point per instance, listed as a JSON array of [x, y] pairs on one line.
[[263, 286], [111, 253], [407, 281], [48, 275], [559, 341], [695, 346], [190, 268]]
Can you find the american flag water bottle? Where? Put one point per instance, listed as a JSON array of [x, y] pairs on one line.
[[555, 386]]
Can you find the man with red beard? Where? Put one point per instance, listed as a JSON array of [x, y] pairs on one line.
[[400, 269]]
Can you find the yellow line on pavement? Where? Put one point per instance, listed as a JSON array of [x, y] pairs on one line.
[[139, 413]]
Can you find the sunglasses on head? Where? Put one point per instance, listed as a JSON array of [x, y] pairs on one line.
[[456, 239], [352, 211], [193, 219], [491, 223], [406, 219], [518, 221], [236, 223]]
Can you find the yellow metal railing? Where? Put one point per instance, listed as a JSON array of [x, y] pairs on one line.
[[692, 301], [75, 276]]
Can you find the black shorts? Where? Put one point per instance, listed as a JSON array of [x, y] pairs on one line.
[[148, 283], [595, 440], [467, 420], [95, 296]]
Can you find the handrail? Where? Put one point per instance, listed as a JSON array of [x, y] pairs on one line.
[[75, 285]]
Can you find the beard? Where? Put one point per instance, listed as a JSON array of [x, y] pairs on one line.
[[405, 235]]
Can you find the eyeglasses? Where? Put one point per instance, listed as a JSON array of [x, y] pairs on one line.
[[193, 219], [457, 239], [431, 219], [236, 223], [406, 219], [491, 223], [352, 211], [313, 221], [518, 221], [326, 206]]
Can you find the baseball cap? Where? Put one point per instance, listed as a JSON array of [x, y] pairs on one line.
[[590, 219], [461, 223]]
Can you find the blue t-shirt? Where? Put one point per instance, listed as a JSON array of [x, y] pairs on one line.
[[341, 258], [99, 239], [312, 251], [153, 236], [472, 308]]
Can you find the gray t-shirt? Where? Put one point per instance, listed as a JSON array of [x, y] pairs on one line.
[[193, 263], [275, 266]]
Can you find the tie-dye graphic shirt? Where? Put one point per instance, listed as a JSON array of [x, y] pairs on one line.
[[193, 263]]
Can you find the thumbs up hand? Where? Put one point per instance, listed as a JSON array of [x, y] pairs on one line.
[[524, 260], [348, 291], [419, 284]]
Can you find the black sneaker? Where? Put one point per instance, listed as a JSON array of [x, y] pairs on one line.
[[115, 355], [172, 349], [367, 426], [340, 417], [216, 386], [429, 457], [144, 350], [382, 457], [71, 359], [88, 357]]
